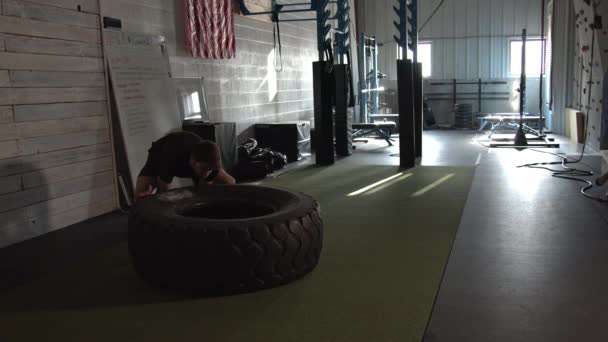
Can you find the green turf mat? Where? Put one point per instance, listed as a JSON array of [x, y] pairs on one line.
[[384, 253]]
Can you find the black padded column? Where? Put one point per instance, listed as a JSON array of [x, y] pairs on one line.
[[418, 110], [324, 122], [405, 82], [343, 117]]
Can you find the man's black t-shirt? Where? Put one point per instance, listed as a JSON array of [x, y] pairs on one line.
[[170, 157]]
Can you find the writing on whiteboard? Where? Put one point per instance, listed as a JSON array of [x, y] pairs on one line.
[[145, 99], [129, 77]]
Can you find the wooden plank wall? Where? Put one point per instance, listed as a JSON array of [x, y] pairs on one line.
[[56, 164]]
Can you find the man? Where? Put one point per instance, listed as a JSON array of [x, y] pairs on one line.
[[183, 155]]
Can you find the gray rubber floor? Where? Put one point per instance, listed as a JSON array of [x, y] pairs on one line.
[[529, 261]]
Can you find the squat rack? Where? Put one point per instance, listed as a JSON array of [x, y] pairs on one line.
[[331, 82], [369, 90], [520, 141], [409, 84], [323, 16]]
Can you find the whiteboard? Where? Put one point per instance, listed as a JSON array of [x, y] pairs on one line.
[[145, 99]]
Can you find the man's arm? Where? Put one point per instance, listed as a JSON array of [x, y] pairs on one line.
[[161, 185], [144, 187], [223, 178], [164, 169]]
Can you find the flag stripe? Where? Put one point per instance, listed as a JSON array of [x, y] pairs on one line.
[[229, 30], [197, 37], [190, 29], [210, 28], [216, 29], [232, 46], [221, 29]]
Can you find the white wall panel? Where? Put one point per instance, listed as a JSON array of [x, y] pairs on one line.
[[470, 40], [470, 37], [479, 33]]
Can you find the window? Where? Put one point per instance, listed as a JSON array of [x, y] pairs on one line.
[[534, 51], [192, 106], [191, 98], [424, 57]]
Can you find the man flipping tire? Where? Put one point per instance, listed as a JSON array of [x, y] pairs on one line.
[[182, 155]]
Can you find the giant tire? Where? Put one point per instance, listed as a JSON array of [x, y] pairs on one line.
[[225, 255]]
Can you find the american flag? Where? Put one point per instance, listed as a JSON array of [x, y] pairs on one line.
[[210, 28]]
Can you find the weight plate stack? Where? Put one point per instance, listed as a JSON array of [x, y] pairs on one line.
[[463, 115]]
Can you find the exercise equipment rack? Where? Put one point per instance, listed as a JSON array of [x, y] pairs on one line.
[[409, 84], [331, 82], [521, 141]]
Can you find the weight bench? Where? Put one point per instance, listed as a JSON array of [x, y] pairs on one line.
[[381, 129], [511, 120]]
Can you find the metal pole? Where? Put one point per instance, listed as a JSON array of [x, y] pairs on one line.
[[363, 77], [454, 90], [522, 84], [580, 84], [298, 4], [472, 82], [323, 28], [413, 33], [542, 69], [479, 96], [401, 26], [343, 31], [520, 136], [375, 94], [552, 67]]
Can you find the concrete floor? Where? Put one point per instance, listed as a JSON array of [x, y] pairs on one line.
[[447, 148], [528, 262]]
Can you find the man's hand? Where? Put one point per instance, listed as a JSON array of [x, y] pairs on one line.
[[145, 193], [162, 186]]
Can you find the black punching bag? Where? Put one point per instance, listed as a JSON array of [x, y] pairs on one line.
[[324, 121], [418, 109], [343, 118], [405, 82]]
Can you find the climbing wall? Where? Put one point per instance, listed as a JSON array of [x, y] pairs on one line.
[[589, 74]]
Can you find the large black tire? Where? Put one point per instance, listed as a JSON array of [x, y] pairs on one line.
[[252, 238]]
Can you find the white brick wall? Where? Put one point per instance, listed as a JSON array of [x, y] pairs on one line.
[[246, 89]]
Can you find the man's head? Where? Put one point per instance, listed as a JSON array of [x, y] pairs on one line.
[[205, 157]]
